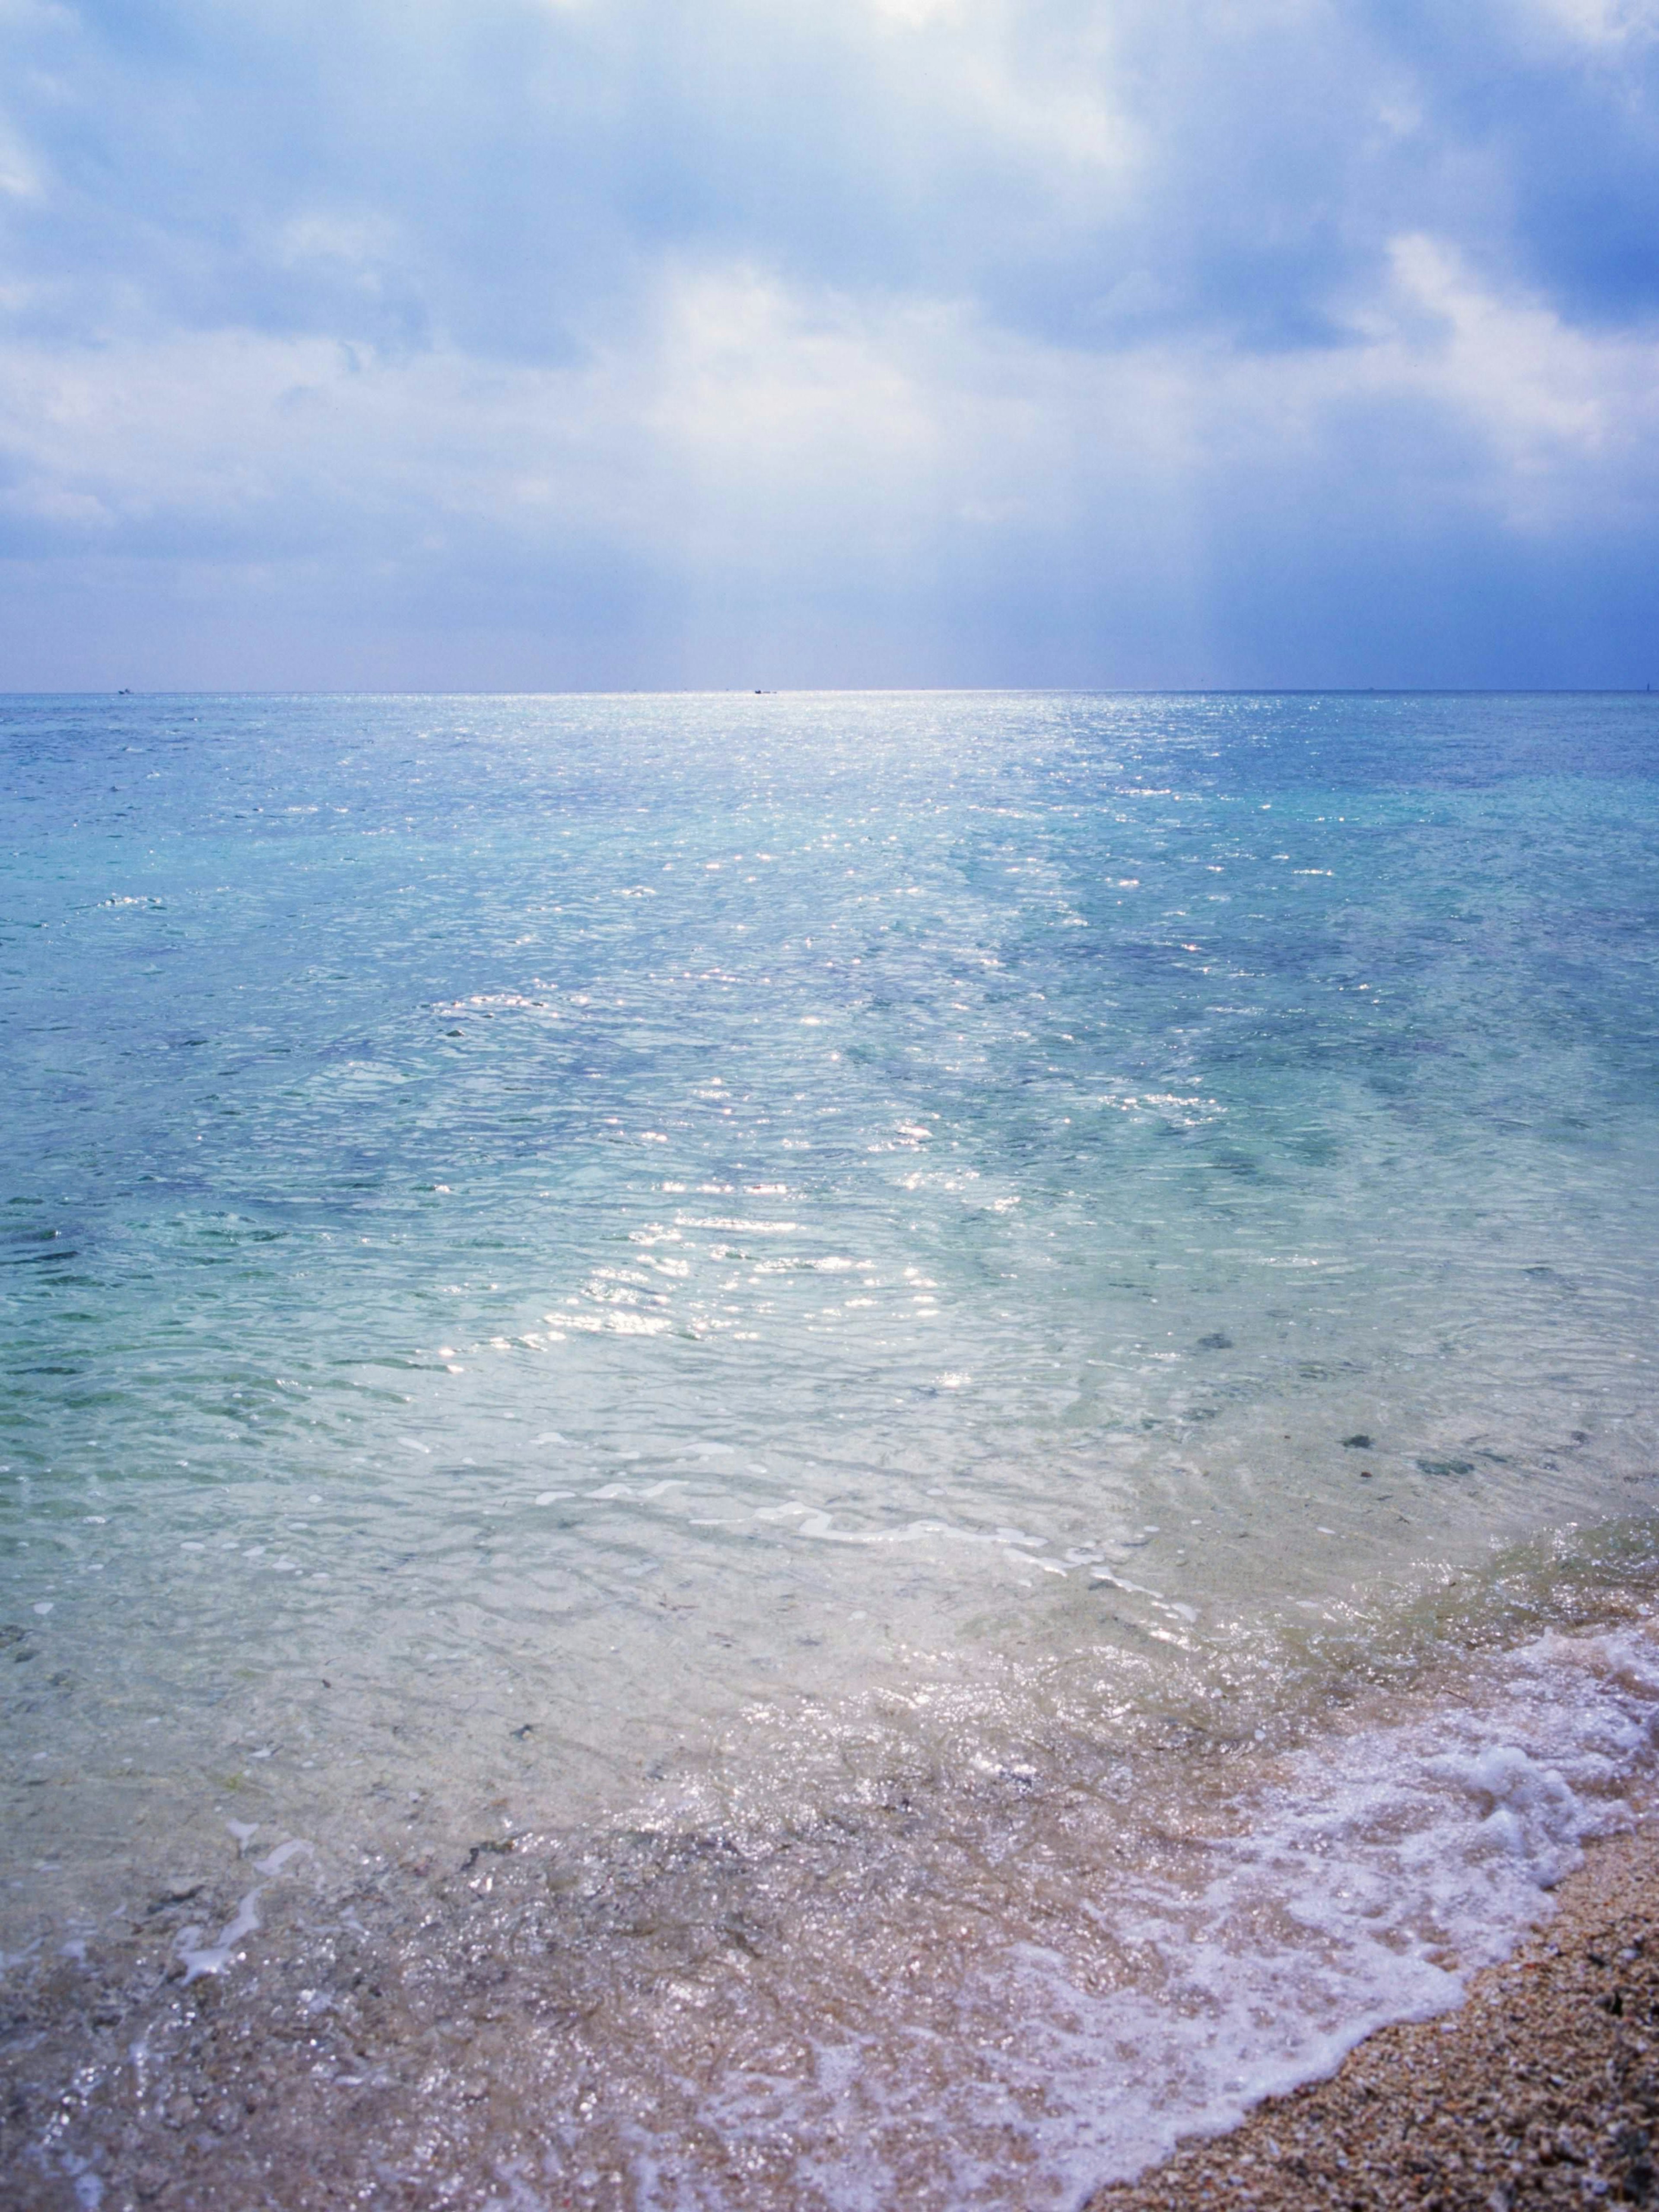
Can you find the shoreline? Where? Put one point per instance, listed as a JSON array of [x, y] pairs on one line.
[[433, 2017], [1542, 2088]]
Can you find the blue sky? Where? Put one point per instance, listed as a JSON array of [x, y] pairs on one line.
[[560, 343]]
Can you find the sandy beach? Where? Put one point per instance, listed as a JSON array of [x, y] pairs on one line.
[[1542, 2089]]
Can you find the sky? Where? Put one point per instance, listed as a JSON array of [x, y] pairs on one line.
[[570, 344]]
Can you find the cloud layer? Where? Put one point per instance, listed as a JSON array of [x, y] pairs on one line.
[[547, 342]]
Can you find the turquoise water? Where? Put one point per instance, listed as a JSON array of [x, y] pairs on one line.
[[591, 1267]]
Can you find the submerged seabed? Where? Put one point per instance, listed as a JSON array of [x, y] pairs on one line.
[[801, 1451]]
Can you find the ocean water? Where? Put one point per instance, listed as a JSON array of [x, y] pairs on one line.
[[802, 1450]]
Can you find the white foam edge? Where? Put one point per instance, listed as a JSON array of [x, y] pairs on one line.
[[1359, 1881]]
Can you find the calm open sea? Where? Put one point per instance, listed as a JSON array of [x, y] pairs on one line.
[[802, 1451]]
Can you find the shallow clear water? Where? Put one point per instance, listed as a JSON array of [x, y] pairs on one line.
[[582, 1270]]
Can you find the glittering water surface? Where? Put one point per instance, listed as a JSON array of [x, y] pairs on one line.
[[589, 1268]]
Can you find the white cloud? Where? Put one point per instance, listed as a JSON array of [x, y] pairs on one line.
[[939, 305], [19, 173], [1567, 419], [1603, 23], [747, 422]]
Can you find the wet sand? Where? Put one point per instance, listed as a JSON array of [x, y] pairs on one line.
[[1543, 2089]]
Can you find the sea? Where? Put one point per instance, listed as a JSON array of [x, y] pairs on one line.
[[801, 1451]]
